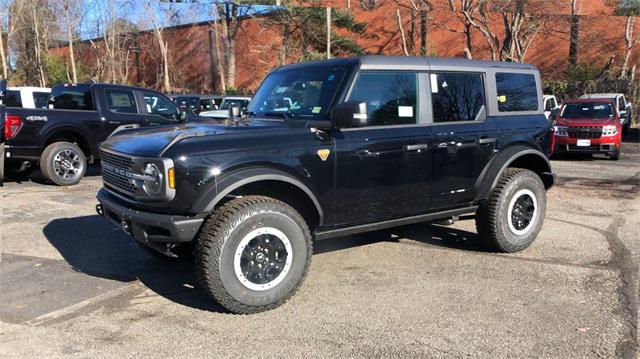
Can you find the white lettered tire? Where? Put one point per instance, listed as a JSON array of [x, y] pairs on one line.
[[252, 254]]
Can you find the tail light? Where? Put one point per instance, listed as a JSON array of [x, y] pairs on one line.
[[12, 126]]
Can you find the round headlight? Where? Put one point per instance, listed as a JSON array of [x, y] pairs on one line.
[[153, 185]]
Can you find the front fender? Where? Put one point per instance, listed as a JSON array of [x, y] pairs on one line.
[[222, 186]]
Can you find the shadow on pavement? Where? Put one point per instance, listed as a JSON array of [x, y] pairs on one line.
[[94, 246], [36, 176]]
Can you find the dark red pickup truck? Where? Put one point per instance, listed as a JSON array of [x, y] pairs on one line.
[[588, 126]]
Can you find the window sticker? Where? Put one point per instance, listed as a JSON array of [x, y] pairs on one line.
[[405, 111], [502, 98], [316, 109], [434, 83]]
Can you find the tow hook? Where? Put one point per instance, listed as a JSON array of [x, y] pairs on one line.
[[125, 227], [99, 209]]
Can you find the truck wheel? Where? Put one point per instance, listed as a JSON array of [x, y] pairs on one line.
[[510, 219], [1, 163], [615, 155], [63, 163], [252, 254]]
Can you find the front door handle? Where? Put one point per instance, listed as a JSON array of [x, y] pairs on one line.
[[417, 147], [486, 140]]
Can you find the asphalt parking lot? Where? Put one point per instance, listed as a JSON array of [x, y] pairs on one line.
[[72, 285]]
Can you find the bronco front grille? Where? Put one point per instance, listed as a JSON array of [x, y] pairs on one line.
[[585, 132], [116, 172]]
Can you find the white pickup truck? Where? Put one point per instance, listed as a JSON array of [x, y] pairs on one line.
[[28, 97], [623, 106]]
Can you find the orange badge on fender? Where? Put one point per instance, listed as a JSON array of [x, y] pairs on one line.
[[324, 154]]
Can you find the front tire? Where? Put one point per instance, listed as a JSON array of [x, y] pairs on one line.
[[252, 254], [63, 163], [511, 218]]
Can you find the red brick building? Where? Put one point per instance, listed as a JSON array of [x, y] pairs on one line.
[[193, 59]]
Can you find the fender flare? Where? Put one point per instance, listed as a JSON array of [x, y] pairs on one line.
[[47, 133], [211, 196], [492, 172]]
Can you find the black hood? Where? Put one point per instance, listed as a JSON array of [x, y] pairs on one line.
[[153, 141]]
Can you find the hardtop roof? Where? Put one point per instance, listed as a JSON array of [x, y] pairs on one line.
[[407, 62]]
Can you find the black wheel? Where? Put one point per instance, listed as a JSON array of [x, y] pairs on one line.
[[252, 254], [1, 163], [184, 252], [63, 163], [615, 155], [510, 219]]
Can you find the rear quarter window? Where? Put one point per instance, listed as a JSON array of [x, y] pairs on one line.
[[516, 92], [73, 98]]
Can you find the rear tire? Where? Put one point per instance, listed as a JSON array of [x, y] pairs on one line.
[[63, 163], [252, 254], [511, 218]]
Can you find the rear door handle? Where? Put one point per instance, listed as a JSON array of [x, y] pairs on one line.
[[486, 140], [417, 147]]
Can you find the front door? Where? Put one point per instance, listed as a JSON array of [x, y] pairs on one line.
[[463, 137], [159, 109], [384, 168], [122, 110]]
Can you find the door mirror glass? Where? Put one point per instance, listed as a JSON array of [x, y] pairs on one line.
[[350, 114]]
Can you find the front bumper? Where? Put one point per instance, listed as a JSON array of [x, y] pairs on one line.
[[148, 227], [596, 145]]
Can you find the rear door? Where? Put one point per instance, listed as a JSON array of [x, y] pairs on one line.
[[463, 136], [384, 168]]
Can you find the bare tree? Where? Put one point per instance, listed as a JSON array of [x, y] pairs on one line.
[[164, 51], [519, 29], [72, 11], [631, 40], [574, 33]]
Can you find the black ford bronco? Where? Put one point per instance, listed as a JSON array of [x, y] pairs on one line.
[[328, 149]]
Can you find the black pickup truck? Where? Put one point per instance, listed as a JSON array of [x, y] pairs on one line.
[[65, 137], [359, 144]]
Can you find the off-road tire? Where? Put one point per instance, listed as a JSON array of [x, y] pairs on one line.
[[47, 163], [220, 237], [492, 222]]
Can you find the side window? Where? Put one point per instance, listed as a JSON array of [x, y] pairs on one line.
[[621, 104], [13, 99], [457, 96], [391, 97], [121, 101], [158, 105], [549, 104], [73, 100], [516, 92], [41, 99]]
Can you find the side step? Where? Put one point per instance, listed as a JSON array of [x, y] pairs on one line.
[[446, 215]]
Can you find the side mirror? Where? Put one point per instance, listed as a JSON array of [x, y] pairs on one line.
[[350, 114], [3, 90], [235, 112]]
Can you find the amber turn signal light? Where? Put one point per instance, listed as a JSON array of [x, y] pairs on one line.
[[172, 180]]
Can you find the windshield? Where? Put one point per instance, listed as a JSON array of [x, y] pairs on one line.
[[587, 110], [304, 93], [226, 103]]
